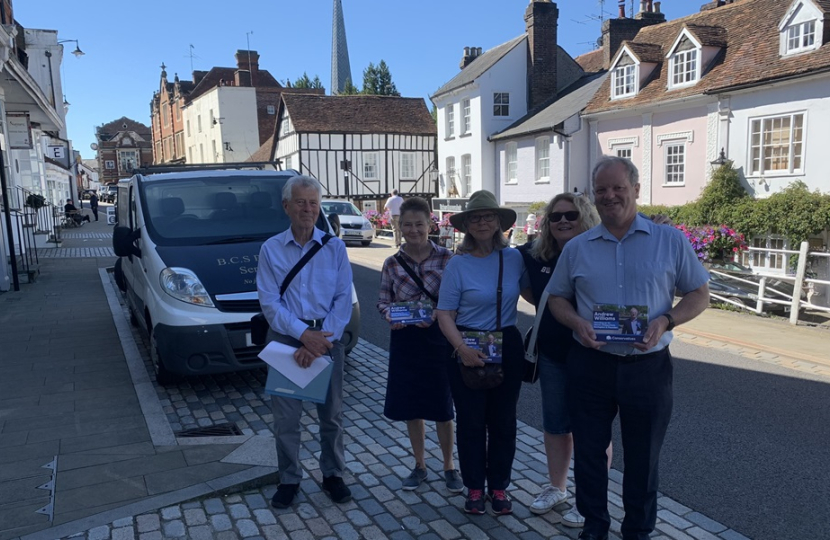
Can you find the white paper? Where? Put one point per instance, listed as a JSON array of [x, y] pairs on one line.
[[281, 357]]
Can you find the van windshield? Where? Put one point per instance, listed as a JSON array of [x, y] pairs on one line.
[[207, 210]]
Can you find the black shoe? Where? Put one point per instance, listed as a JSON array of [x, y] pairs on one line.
[[336, 489], [588, 536], [285, 495]]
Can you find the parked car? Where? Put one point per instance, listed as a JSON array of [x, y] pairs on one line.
[[354, 227], [108, 193], [188, 242], [87, 194], [740, 293], [785, 288]]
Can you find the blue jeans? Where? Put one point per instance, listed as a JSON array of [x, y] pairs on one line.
[[553, 385]]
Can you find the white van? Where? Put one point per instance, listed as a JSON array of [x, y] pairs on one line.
[[189, 242]]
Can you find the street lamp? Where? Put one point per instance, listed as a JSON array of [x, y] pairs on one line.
[[77, 52], [721, 160]]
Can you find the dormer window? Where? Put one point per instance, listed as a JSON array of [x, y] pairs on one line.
[[684, 67], [624, 79], [801, 28], [801, 37]]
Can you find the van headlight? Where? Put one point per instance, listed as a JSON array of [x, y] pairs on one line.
[[367, 225], [182, 284]]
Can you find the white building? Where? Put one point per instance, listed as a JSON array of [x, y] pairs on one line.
[[219, 125]]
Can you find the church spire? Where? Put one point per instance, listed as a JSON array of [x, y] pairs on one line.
[[340, 69]]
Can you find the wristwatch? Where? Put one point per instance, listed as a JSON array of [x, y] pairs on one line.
[[669, 318]]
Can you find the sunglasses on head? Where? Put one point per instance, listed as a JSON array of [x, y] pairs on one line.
[[556, 217]]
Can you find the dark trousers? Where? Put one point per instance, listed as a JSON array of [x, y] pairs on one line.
[[486, 420], [640, 389], [95, 212]]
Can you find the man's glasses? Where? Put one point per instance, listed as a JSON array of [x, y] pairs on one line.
[[556, 217], [481, 217]]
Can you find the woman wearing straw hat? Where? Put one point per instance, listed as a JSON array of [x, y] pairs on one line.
[[468, 302]]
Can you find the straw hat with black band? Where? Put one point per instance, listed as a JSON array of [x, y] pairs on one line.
[[483, 200]]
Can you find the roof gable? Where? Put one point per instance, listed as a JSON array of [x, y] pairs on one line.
[[750, 57], [479, 66]]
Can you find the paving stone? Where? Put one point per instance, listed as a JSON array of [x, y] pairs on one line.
[[239, 511], [729, 534], [171, 512], [213, 506], [173, 528], [705, 523], [123, 533], [200, 532], [345, 531], [247, 528], [673, 519], [319, 527], [221, 522], [147, 522], [195, 516], [99, 533], [154, 535], [264, 516], [124, 522]]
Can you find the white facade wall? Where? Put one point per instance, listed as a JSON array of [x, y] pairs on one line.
[[507, 75], [568, 167], [226, 114], [809, 96]]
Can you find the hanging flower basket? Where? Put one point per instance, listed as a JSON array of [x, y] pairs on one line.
[[35, 201]]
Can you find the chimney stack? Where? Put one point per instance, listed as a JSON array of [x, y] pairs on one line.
[[247, 61], [622, 9], [470, 54], [541, 22], [615, 31], [242, 77]]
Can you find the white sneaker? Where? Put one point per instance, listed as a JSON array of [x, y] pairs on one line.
[[573, 519], [550, 497]]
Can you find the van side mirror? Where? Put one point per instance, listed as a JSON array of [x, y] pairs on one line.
[[123, 241], [334, 221]]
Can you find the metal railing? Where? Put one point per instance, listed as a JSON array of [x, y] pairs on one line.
[[31, 215], [770, 295]]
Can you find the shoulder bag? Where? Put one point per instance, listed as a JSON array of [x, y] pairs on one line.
[[531, 360], [489, 375], [259, 324]]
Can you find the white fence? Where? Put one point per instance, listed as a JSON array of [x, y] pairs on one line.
[[770, 295]]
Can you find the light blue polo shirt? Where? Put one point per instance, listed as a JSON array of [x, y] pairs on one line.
[[643, 268]]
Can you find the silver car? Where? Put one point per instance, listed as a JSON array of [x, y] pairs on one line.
[[354, 227]]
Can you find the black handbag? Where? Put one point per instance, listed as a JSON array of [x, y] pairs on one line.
[[489, 375], [259, 324], [530, 363]]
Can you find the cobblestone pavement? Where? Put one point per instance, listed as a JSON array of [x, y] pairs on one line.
[[377, 458]]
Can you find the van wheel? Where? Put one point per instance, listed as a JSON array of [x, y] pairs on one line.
[[118, 272], [163, 376], [133, 318]]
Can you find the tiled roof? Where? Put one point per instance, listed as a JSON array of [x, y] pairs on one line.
[[271, 96], [359, 114], [552, 113], [709, 36], [646, 52], [592, 62], [478, 66], [824, 5], [264, 152], [750, 57], [262, 79]]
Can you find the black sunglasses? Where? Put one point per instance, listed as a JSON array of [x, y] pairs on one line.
[[556, 217]]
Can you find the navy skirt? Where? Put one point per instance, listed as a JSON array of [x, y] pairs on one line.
[[418, 384]]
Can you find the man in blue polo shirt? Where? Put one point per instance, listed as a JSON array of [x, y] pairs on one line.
[[627, 260]]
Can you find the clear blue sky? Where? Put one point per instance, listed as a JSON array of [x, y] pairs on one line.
[[421, 41]]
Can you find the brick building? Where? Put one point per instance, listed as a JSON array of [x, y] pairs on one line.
[[123, 144]]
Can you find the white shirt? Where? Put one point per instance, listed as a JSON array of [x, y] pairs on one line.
[[394, 205]]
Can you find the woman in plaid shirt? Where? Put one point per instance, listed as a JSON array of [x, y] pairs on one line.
[[418, 386]]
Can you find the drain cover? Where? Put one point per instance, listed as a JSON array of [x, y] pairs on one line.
[[219, 430]]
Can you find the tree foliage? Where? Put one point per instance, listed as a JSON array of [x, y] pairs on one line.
[[306, 82], [794, 212], [349, 89], [377, 80]]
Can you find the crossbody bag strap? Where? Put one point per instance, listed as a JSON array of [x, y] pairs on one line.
[[498, 291], [534, 334], [415, 278], [302, 262]]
